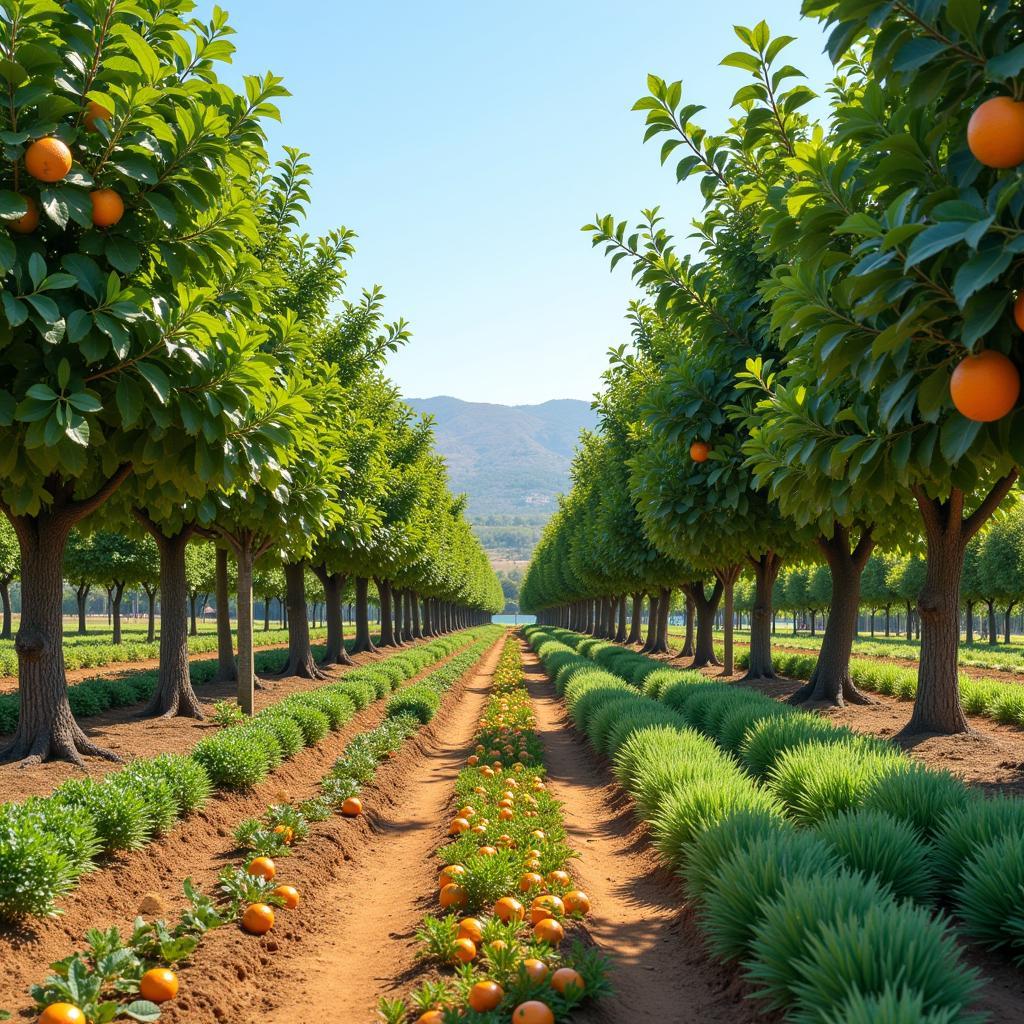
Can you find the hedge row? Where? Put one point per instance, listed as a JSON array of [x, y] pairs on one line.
[[46, 843], [814, 854]]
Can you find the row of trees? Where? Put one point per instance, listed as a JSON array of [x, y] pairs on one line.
[[180, 371], [827, 372]]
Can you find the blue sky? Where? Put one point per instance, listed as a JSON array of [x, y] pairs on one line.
[[466, 143]]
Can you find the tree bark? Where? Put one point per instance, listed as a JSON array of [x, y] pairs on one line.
[[193, 625], [830, 682], [428, 617], [5, 599], [387, 617], [417, 627], [246, 656], [333, 584], [636, 625], [364, 642], [117, 592], [622, 631], [705, 607], [82, 597], [969, 622], [151, 614], [174, 696], [1009, 612], [227, 671], [729, 575], [652, 623], [766, 572], [300, 652], [691, 612]]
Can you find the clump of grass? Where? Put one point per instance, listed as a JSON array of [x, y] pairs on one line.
[[990, 897]]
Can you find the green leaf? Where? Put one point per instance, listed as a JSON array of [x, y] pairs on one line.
[[130, 400], [123, 254], [918, 52], [36, 269], [157, 380], [163, 208], [14, 309], [964, 15], [935, 239], [957, 436], [980, 270], [45, 307], [141, 1010], [742, 60], [1006, 65]]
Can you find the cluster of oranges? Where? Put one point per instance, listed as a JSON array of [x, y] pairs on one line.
[[513, 794], [49, 160], [258, 918]]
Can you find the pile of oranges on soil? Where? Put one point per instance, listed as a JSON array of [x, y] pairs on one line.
[[504, 946]]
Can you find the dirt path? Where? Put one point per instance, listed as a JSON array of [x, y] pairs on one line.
[[366, 885], [659, 969], [198, 847]]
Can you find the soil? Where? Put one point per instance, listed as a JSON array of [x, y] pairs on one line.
[[641, 922], [199, 847]]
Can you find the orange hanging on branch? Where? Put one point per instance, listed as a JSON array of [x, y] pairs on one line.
[[985, 387], [995, 133]]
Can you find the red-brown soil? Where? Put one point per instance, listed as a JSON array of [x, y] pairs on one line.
[[198, 847]]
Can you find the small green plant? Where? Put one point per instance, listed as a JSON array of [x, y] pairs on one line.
[[436, 938], [227, 712]]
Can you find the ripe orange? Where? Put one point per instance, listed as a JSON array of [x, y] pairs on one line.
[[1018, 311], [995, 133], [29, 220], [258, 918], [486, 851], [548, 930], [472, 760], [544, 907], [48, 159], [699, 451], [564, 977], [532, 1012], [458, 826], [531, 880], [465, 950], [471, 928], [479, 830], [286, 834], [62, 1013], [559, 878], [262, 867], [485, 995], [985, 387], [352, 807], [506, 814], [576, 902], [94, 112], [107, 207], [289, 895], [453, 895], [467, 812], [158, 985], [536, 970], [532, 864], [430, 1017], [538, 834], [451, 874], [508, 908]]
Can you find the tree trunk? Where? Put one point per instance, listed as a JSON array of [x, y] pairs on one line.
[[969, 622], [193, 625], [729, 575], [387, 617], [652, 624], [636, 626], [705, 607], [5, 599], [174, 695], [333, 584], [364, 641], [414, 604], [82, 597], [118, 592], [300, 652], [227, 671], [266, 614], [46, 728], [691, 613], [246, 657], [766, 571], [830, 682], [151, 615], [1009, 612], [661, 622], [428, 617]]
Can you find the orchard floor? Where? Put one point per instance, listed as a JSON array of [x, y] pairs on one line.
[[232, 973]]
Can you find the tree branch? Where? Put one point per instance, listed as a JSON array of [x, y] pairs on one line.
[[984, 511], [77, 510]]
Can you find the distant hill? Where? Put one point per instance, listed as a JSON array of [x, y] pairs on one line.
[[511, 461]]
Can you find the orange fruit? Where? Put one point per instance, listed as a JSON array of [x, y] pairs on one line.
[[564, 977], [107, 207], [62, 1013], [29, 220], [472, 760], [453, 895], [985, 387], [286, 834], [548, 930], [258, 918], [471, 928], [508, 908], [699, 451], [533, 864], [536, 970], [48, 159], [289, 895], [486, 851], [576, 902], [533, 1011], [485, 995], [544, 907], [506, 814], [352, 807], [430, 1017], [1018, 311], [529, 881], [467, 812], [262, 867], [995, 133], [538, 834], [559, 878], [506, 802], [465, 950], [458, 826], [451, 874], [158, 985], [497, 944], [94, 112], [479, 830]]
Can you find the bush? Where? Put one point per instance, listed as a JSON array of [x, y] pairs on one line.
[[916, 794], [875, 843], [769, 739], [604, 719], [118, 811], [737, 723], [890, 1007], [753, 875], [314, 724], [34, 871], [421, 701], [284, 728], [147, 782], [689, 760], [232, 760], [963, 830], [990, 897], [337, 707], [187, 778], [69, 829], [360, 691]]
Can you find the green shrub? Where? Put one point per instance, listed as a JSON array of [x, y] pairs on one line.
[[753, 875], [232, 760], [990, 897], [313, 723], [739, 721], [604, 718], [285, 729], [963, 830], [118, 812], [69, 829], [864, 954], [892, 1006], [262, 735], [155, 792], [420, 701], [691, 759], [878, 844], [769, 739], [1007, 706], [34, 871], [337, 707], [916, 794], [651, 745]]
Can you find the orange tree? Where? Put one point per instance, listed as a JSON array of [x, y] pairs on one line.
[[123, 155], [903, 228]]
